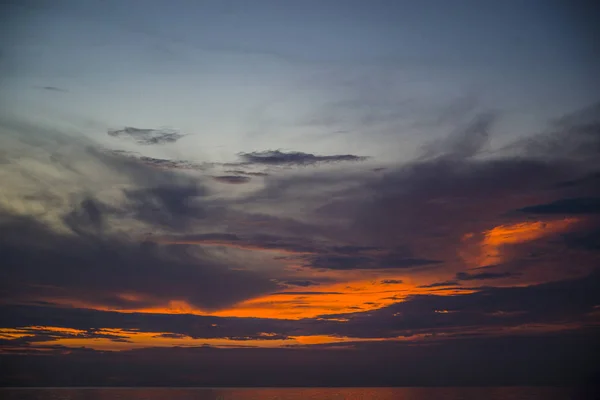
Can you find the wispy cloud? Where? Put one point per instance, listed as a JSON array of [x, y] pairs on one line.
[[232, 179], [147, 136], [53, 89], [278, 157], [573, 206]]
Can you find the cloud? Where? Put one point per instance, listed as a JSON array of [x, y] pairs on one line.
[[240, 172], [435, 219], [573, 206], [147, 136], [391, 281], [574, 137], [463, 143], [301, 283], [113, 271], [465, 276], [80, 237], [54, 89], [232, 179], [337, 262], [167, 205], [485, 311], [171, 164], [440, 284], [312, 254], [277, 157]]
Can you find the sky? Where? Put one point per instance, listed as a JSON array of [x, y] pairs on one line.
[[304, 193]]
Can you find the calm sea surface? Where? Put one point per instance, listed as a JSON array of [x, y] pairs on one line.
[[513, 393]]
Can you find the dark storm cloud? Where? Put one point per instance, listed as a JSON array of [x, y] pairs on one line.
[[232, 179], [590, 205], [147, 136], [277, 157]]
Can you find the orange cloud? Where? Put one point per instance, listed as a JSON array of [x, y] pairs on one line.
[[490, 249]]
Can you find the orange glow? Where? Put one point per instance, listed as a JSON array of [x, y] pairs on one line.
[[136, 340], [348, 294], [494, 240]]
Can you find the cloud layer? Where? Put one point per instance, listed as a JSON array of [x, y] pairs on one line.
[[119, 253]]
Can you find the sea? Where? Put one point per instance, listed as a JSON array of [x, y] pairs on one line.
[[412, 393]]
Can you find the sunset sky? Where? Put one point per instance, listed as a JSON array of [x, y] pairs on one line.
[[294, 192]]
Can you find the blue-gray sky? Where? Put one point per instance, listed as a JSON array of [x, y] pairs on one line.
[[308, 76]]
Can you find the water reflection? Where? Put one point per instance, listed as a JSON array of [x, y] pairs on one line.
[[289, 394]]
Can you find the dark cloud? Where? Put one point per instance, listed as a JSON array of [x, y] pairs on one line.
[[32, 336], [104, 269], [555, 303], [575, 136], [301, 283], [163, 163], [172, 164], [171, 335], [587, 239], [232, 179], [465, 276], [167, 205], [348, 263], [277, 157], [390, 281], [440, 284], [147, 136], [89, 214], [589, 179], [465, 142], [54, 89], [484, 311], [173, 325], [314, 254], [590, 205], [447, 322], [455, 332], [424, 214], [248, 173]]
